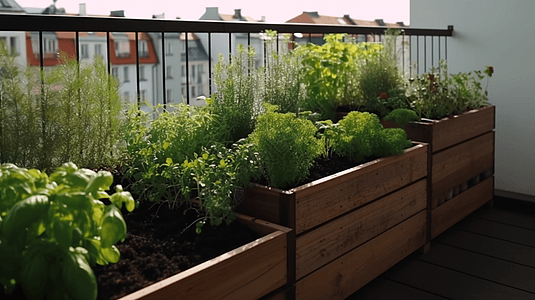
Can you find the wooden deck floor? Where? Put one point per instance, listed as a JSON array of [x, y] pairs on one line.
[[488, 255]]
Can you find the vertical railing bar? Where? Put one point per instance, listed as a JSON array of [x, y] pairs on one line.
[[277, 36], [187, 66], [210, 62], [110, 78], [42, 62], [439, 49], [137, 71], [310, 37], [425, 53], [403, 52], [164, 86], [77, 44], [432, 51], [410, 55], [418, 54], [248, 39], [108, 57], [229, 47], [446, 48]]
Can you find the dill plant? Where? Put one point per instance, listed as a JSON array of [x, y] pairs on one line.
[[287, 147], [283, 86], [66, 113], [237, 100]]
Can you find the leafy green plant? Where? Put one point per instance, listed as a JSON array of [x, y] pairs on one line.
[[237, 100], [328, 73], [176, 134], [53, 229], [402, 117], [74, 114], [438, 94], [283, 85], [391, 141], [287, 147], [380, 79], [355, 136]]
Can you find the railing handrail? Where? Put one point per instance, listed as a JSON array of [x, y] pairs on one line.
[[22, 22]]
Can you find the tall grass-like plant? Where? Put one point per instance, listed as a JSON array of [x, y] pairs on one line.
[[380, 79], [66, 113], [237, 100], [283, 85]]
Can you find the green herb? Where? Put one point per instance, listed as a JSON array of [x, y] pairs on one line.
[[402, 117], [52, 229], [287, 147]]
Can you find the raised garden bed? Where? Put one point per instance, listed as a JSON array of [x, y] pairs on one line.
[[461, 158], [339, 216], [247, 272]]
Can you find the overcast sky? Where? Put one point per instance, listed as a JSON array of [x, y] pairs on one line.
[[274, 10]]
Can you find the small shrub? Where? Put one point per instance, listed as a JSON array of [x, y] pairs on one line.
[[287, 147], [402, 117], [391, 141], [355, 136]]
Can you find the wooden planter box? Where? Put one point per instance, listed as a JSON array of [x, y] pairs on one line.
[[248, 272], [461, 156], [342, 216]]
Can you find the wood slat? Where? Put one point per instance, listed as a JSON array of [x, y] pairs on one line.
[[247, 272], [451, 212], [328, 198], [325, 243], [451, 131], [348, 273], [508, 217], [261, 202], [458, 164], [499, 231], [482, 266], [384, 289], [451, 284], [485, 245]]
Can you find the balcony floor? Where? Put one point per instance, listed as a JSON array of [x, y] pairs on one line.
[[488, 255]]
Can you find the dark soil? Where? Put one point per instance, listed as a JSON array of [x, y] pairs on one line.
[[155, 249]]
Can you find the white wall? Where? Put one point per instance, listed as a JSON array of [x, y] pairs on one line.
[[497, 33]]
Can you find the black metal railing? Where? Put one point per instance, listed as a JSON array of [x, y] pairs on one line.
[[426, 47]]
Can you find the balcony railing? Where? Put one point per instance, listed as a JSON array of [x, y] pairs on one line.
[[423, 47]]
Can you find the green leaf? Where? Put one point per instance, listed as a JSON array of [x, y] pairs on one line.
[[23, 213], [101, 182], [35, 265], [78, 277], [169, 161], [110, 254], [113, 227]]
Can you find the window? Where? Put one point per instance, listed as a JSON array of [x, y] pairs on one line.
[[192, 74], [122, 48], [192, 92], [169, 72], [143, 49], [115, 72], [126, 74], [184, 47], [50, 45], [200, 72], [98, 49], [84, 51], [183, 70], [169, 98], [169, 49], [200, 90], [142, 73]]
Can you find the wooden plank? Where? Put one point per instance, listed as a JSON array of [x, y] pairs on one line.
[[348, 273], [457, 164], [287, 292], [482, 266], [454, 210], [330, 197], [381, 288], [451, 284], [247, 272], [317, 247], [485, 245], [261, 202], [450, 131], [507, 217], [498, 231]]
